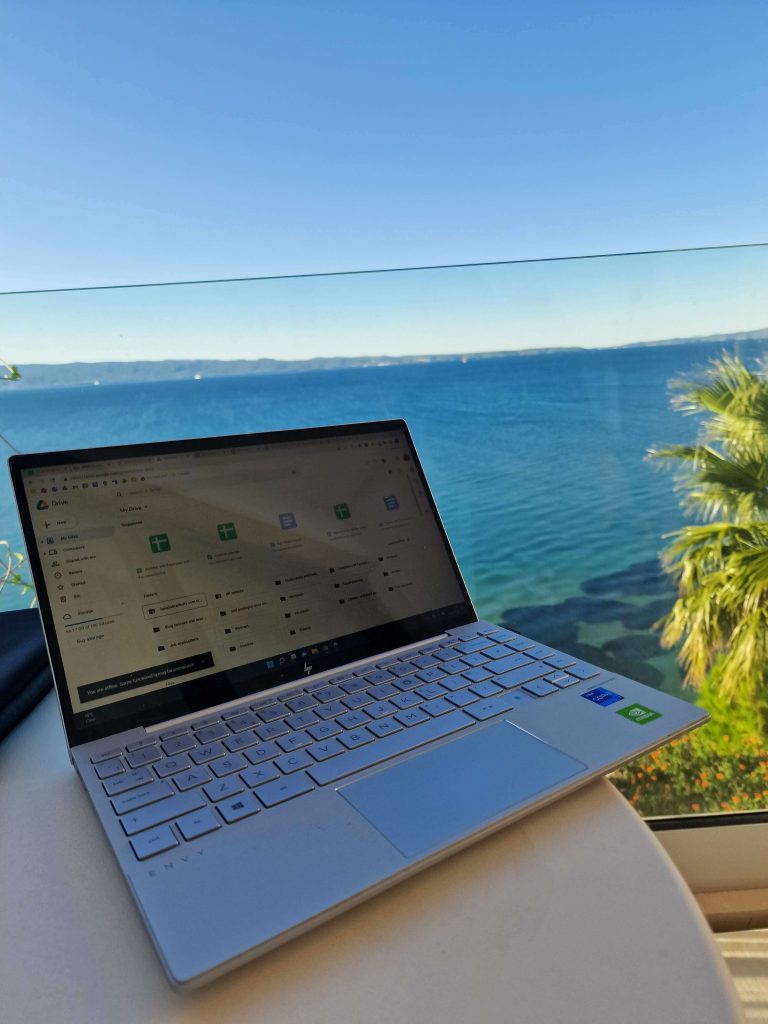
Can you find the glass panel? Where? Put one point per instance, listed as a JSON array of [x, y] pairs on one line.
[[530, 400]]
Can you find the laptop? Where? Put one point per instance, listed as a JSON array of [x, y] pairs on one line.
[[275, 689]]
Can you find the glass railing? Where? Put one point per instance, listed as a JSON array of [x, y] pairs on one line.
[[534, 392]]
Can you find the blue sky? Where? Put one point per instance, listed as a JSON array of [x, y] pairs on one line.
[[149, 141]]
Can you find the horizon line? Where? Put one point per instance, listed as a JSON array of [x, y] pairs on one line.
[[427, 356]]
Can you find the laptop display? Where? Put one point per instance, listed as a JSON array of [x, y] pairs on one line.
[[186, 574]]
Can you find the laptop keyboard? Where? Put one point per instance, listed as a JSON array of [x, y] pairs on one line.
[[204, 775]]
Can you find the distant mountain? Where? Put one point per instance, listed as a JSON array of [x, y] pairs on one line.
[[46, 375]]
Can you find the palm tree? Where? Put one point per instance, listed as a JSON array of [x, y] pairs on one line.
[[720, 565]]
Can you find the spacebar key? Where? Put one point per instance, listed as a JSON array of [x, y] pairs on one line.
[[364, 757]]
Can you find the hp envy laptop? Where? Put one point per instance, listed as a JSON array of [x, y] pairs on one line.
[[274, 686]]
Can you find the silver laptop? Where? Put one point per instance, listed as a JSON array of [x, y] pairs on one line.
[[275, 688]]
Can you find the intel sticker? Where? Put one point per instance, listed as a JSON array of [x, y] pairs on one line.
[[602, 696]]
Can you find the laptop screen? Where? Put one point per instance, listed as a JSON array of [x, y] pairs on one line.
[[176, 576]]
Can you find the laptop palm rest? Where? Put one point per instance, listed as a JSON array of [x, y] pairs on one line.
[[436, 797]]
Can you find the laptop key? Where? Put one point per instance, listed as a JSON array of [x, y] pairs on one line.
[[453, 682], [292, 762], [207, 753], [353, 684], [381, 709], [107, 755], [357, 700], [220, 788], [560, 660], [382, 691], [473, 646], [171, 765], [431, 675], [475, 660], [408, 683], [452, 668], [156, 841], [302, 702], [502, 635], [146, 755], [211, 732], [146, 742], [241, 741], [388, 746], [430, 691], [485, 689], [521, 644], [497, 651], [507, 664], [238, 807], [447, 654], [406, 700], [385, 726], [164, 810], [328, 693], [293, 741], [484, 709], [259, 773], [198, 823], [272, 731], [280, 790], [355, 738], [583, 671], [424, 661], [178, 744], [242, 722], [262, 752], [400, 669], [190, 779], [114, 766], [326, 711], [476, 675], [324, 730], [178, 730], [352, 719], [227, 765], [520, 675], [563, 681], [539, 651], [461, 698], [273, 712], [411, 716], [378, 676], [302, 720], [141, 797], [327, 748], [122, 783], [540, 687], [439, 706]]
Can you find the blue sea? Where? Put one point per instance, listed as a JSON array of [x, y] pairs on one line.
[[537, 462]]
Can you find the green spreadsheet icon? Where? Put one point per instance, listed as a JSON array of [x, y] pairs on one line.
[[227, 531], [342, 511], [159, 542]]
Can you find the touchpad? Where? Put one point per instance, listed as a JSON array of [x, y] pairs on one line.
[[434, 798]]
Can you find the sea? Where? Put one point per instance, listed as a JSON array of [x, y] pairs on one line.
[[538, 463]]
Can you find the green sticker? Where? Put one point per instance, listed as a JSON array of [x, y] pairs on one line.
[[639, 713]]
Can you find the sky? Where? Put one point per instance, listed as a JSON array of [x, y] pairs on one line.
[[165, 141]]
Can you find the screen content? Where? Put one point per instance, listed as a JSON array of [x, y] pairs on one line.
[[164, 569]]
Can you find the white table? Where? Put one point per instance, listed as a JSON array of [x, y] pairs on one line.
[[572, 915]]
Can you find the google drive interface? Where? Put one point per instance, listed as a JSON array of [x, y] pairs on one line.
[[169, 567]]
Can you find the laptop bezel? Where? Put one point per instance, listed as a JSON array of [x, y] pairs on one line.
[[217, 688]]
